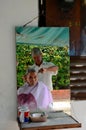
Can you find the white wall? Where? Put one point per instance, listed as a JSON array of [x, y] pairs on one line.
[[78, 111], [14, 13]]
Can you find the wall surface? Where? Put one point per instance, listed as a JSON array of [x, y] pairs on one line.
[[14, 13]]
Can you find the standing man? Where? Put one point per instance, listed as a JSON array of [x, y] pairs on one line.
[[44, 69]]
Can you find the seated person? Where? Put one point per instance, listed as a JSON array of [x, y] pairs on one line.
[[34, 93]]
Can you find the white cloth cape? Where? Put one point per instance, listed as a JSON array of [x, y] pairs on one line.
[[40, 93]]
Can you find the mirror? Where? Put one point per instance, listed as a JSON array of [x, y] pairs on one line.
[[54, 45]]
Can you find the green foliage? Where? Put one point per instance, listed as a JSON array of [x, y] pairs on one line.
[[58, 55]]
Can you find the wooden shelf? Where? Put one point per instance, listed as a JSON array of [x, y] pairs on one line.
[[56, 120]]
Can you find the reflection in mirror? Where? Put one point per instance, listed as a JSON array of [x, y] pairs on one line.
[[43, 64]]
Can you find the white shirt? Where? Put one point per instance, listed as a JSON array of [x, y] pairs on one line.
[[47, 76]]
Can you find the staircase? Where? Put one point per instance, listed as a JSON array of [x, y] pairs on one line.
[[78, 77]]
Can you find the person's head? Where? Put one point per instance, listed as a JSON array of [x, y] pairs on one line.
[[37, 55], [31, 77]]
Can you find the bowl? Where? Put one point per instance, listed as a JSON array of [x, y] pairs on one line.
[[38, 117], [36, 114]]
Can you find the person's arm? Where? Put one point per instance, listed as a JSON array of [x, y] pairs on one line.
[[52, 69]]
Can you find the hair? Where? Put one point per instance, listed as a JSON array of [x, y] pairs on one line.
[[36, 51], [30, 70]]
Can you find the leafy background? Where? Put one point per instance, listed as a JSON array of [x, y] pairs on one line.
[[58, 55]]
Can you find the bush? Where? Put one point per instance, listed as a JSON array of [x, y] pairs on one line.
[[58, 55]]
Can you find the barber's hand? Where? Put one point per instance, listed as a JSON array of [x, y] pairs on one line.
[[42, 70]]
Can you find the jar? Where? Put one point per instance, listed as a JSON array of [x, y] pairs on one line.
[[23, 114]]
